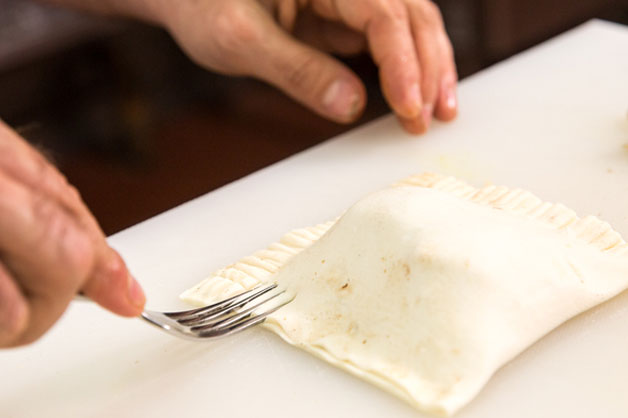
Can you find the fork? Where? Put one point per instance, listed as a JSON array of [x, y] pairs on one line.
[[222, 318]]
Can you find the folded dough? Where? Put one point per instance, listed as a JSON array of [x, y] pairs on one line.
[[428, 287]]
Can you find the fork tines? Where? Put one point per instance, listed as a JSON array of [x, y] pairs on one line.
[[222, 318]]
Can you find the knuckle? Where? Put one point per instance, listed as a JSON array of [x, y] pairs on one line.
[[110, 275], [235, 28], [61, 238], [427, 14], [73, 194], [47, 180], [433, 11], [52, 219], [116, 268], [42, 174], [391, 10], [447, 50], [299, 73], [61, 179]]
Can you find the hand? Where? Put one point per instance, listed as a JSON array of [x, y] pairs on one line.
[[406, 38], [50, 248]]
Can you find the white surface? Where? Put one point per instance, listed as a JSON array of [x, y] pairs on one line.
[[553, 120]]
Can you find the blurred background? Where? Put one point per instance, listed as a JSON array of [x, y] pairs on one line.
[[139, 129]]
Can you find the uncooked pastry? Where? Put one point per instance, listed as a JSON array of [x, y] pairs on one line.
[[427, 288]]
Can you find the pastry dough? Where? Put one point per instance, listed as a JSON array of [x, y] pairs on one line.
[[427, 288]]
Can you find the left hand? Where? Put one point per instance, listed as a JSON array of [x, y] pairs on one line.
[[282, 42]]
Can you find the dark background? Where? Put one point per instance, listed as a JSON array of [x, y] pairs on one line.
[[139, 129]]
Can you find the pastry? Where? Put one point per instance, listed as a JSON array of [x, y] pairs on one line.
[[428, 287]]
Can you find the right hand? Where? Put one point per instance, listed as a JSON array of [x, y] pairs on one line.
[[260, 38], [287, 43], [51, 247]]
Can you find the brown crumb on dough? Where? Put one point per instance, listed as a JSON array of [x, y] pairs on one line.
[[345, 286], [610, 170], [406, 269], [322, 261], [363, 341]]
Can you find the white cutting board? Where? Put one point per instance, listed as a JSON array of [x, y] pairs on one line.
[[552, 120]]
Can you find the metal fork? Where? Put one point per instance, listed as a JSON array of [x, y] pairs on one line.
[[222, 318]]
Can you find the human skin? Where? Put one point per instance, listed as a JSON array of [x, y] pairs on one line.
[[51, 248], [287, 43]]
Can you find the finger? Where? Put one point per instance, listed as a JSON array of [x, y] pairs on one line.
[[112, 286], [13, 309], [285, 11], [389, 37], [392, 48], [340, 40], [46, 251], [249, 42], [426, 25], [447, 104], [309, 76], [20, 161], [30, 168], [329, 36], [287, 14], [416, 126]]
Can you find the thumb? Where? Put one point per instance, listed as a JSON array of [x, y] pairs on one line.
[[311, 77], [112, 286]]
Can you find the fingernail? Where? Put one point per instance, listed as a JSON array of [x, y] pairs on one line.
[[428, 109], [414, 101], [136, 294], [341, 100], [415, 126], [450, 98]]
